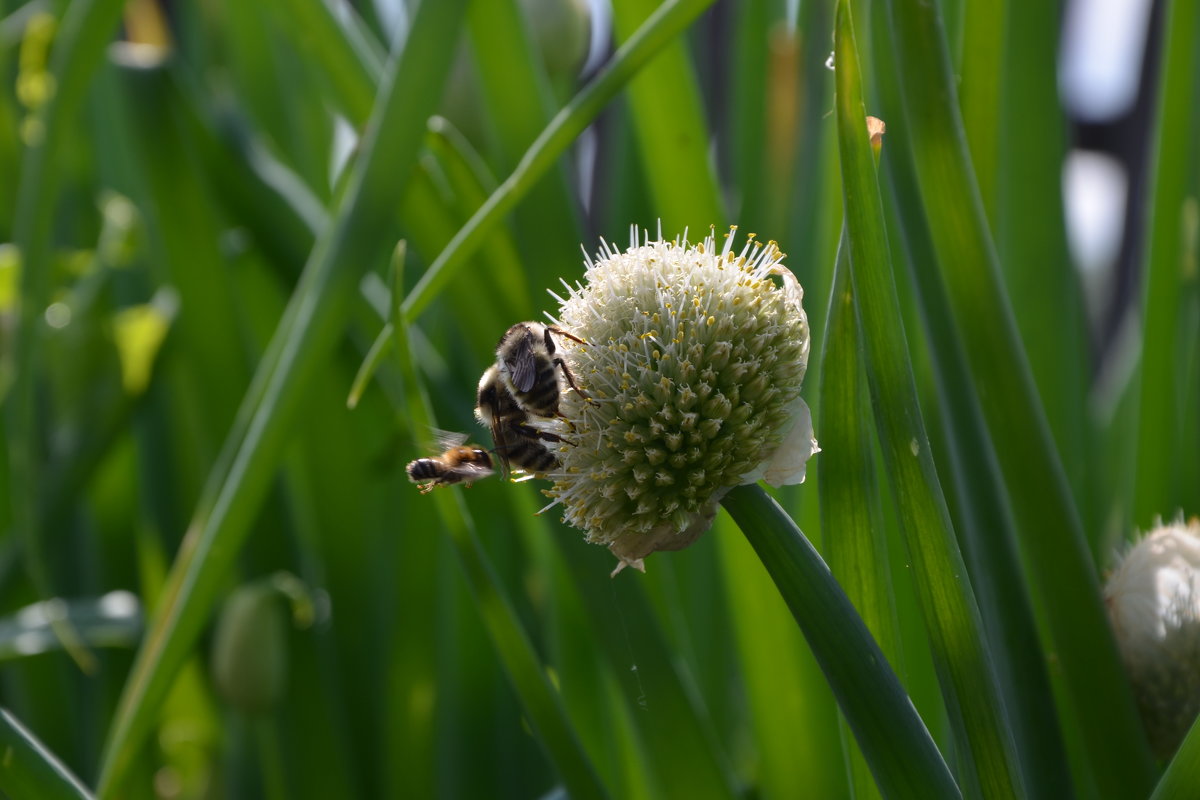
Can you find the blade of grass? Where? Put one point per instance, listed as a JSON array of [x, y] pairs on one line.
[[86, 28], [308, 332], [500, 261], [282, 213], [668, 121], [948, 604], [1182, 777], [894, 740], [1161, 450], [184, 248], [448, 187], [984, 36], [1051, 533], [681, 746], [324, 767], [755, 118], [276, 87], [547, 221], [28, 769], [1029, 229], [850, 505], [350, 57], [663, 25]]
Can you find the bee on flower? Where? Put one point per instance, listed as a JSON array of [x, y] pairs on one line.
[[693, 366]]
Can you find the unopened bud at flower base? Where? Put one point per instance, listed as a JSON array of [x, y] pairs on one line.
[[1153, 600]]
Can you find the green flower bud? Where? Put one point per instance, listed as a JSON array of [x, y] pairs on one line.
[[694, 362], [250, 649]]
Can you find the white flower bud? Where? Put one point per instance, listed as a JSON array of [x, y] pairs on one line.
[[1153, 600], [694, 362]]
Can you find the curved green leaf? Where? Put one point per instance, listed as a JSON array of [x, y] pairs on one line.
[[1182, 777], [1161, 451], [858, 553], [894, 740], [948, 605]]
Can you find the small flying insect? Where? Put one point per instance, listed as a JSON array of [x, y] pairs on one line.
[[519, 444], [528, 362], [458, 463]]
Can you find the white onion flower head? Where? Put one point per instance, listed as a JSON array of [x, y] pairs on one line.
[[1153, 601], [694, 362]]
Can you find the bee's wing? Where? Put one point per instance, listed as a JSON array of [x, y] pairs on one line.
[[473, 471], [500, 441], [520, 361], [444, 440]]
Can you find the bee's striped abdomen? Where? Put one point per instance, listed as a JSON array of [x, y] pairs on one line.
[[424, 469]]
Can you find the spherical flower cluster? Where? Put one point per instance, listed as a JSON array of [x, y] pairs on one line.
[[1153, 600], [694, 362]]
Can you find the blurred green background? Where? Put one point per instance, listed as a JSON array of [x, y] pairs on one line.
[[199, 206]]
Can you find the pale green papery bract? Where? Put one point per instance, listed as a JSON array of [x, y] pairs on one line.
[[694, 362]]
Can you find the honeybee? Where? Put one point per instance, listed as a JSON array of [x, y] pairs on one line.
[[527, 361], [518, 444], [459, 463]]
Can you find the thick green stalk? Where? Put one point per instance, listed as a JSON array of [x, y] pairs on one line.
[[943, 587], [310, 328], [1046, 519], [893, 738]]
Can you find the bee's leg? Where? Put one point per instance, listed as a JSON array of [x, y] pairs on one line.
[[558, 361], [531, 432], [428, 487], [566, 371], [555, 329]]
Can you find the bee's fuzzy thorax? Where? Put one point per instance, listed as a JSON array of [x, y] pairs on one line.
[[695, 360]]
